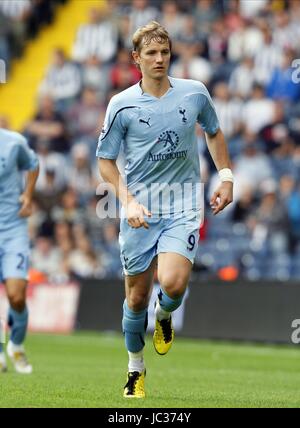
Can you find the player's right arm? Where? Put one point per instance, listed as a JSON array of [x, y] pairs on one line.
[[134, 211], [112, 134]]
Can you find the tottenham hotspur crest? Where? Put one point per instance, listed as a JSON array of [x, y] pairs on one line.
[[182, 112]]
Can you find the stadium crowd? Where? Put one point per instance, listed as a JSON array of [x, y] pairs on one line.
[[21, 20], [243, 50]]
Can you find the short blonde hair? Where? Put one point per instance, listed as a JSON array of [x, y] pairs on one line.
[[152, 31]]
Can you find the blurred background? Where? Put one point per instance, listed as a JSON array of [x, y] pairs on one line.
[[66, 58]]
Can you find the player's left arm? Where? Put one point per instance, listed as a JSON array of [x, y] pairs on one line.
[[217, 147], [27, 161]]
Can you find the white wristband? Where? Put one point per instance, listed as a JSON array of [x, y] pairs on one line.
[[225, 174]]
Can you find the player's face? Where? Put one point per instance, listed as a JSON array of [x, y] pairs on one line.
[[154, 59]]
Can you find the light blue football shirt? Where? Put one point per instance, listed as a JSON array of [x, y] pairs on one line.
[[15, 158], [159, 142]]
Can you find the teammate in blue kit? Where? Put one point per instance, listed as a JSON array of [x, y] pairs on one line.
[[160, 218], [15, 205]]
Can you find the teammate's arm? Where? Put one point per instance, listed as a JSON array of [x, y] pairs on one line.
[[27, 161], [27, 195], [134, 211], [217, 147]]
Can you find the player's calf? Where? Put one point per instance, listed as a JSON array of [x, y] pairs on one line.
[[163, 336], [134, 328]]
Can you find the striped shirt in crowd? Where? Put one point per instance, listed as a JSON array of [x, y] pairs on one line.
[[14, 9]]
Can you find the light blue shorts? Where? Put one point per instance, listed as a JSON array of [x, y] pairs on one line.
[[14, 257], [178, 234]]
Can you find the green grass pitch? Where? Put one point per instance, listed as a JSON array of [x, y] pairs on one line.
[[89, 370]]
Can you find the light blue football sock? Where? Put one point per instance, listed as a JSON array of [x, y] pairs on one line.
[[168, 304], [134, 327], [18, 322]]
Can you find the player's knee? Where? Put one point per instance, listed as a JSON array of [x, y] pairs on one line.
[[174, 285], [138, 302], [17, 301]]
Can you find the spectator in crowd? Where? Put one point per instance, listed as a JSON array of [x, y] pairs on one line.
[[97, 38], [84, 262], [252, 167], [45, 256], [189, 36], [4, 40], [186, 6], [242, 79], [125, 36], [267, 59], [141, 12], [286, 34], [258, 111], [172, 18], [80, 174], [189, 66], [86, 116], [206, 12], [244, 205], [228, 110], [63, 232], [52, 169], [217, 50], [16, 10], [69, 209], [94, 224], [249, 8], [247, 40], [233, 20], [17, 13], [21, 20], [274, 134], [65, 250], [62, 81], [111, 249], [95, 75], [282, 86], [50, 195], [124, 73], [65, 247], [270, 222], [48, 125], [282, 156]]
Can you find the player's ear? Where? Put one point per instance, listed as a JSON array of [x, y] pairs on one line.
[[136, 58]]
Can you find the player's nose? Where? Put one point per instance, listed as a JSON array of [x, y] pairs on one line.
[[159, 58]]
